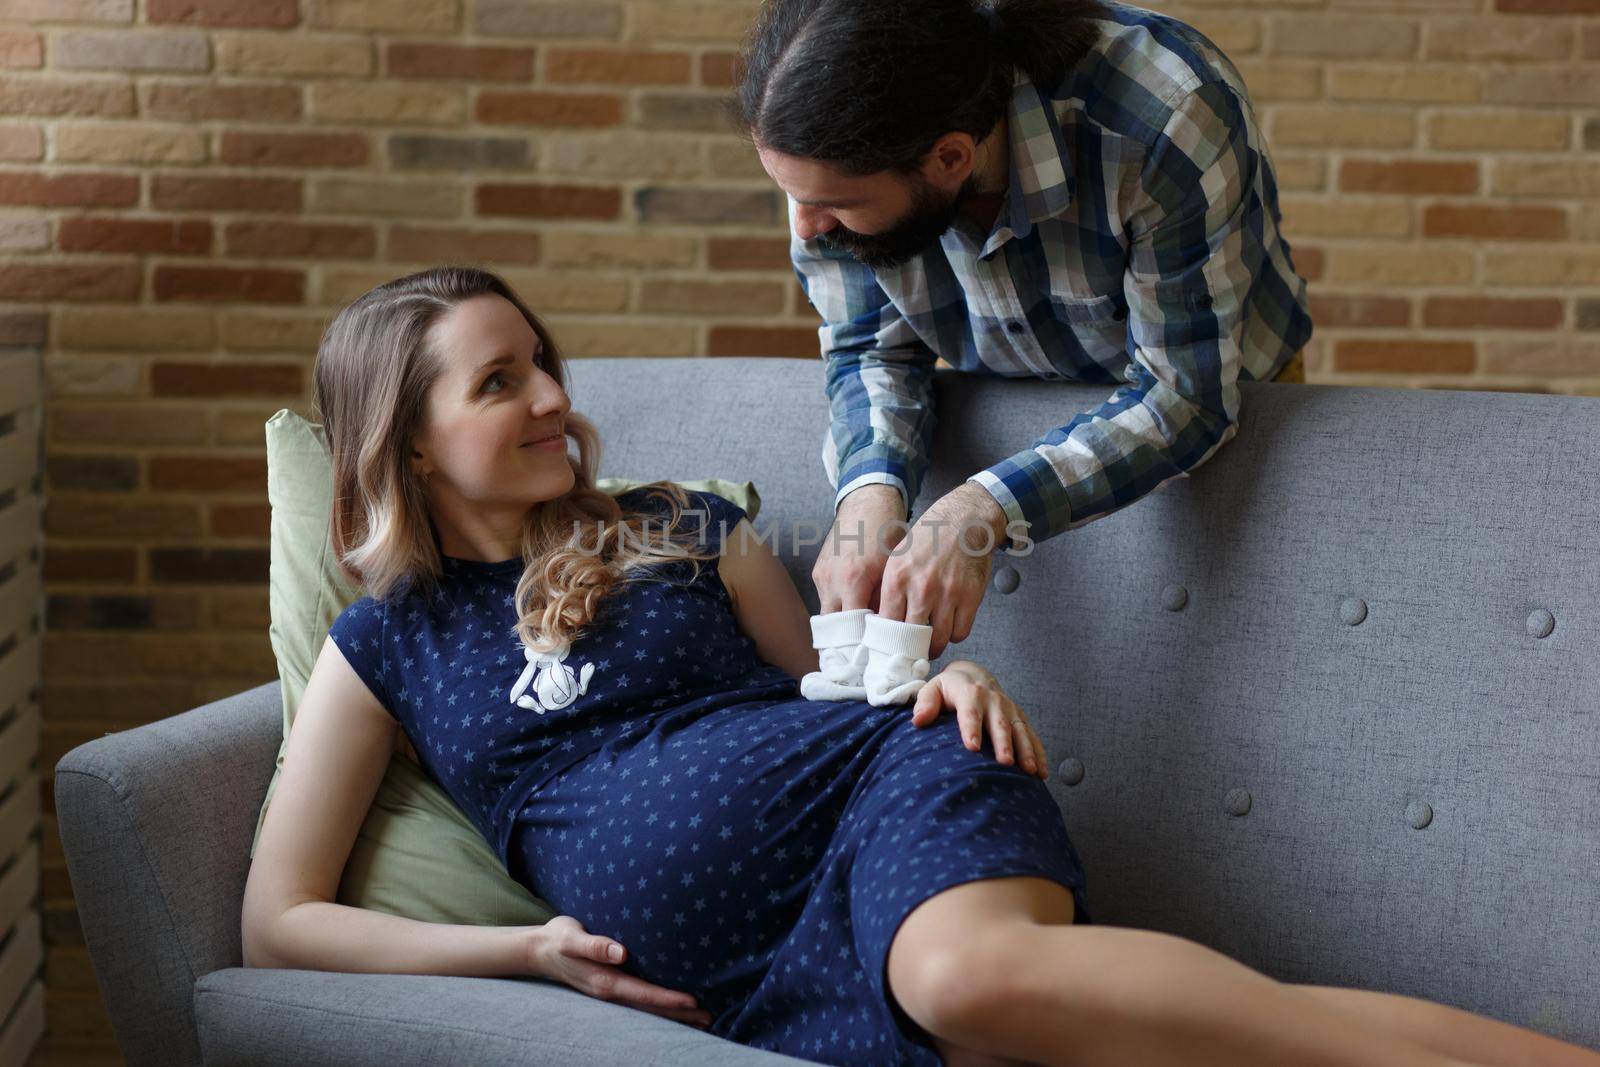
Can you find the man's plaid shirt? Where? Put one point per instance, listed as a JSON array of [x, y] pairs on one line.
[[1138, 243]]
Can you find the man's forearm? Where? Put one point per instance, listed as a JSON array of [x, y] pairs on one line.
[[320, 936]]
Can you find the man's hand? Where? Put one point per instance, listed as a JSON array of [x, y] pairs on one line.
[[850, 564], [940, 575]]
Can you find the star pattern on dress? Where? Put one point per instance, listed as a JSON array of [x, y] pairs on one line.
[[746, 845]]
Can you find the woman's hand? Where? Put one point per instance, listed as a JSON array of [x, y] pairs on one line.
[[562, 951], [979, 704]]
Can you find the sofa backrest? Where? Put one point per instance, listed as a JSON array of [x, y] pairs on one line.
[[1327, 705]]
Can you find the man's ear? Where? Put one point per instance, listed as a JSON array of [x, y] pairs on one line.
[[950, 160]]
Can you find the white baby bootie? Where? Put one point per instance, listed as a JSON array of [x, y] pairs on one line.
[[897, 659], [841, 658]]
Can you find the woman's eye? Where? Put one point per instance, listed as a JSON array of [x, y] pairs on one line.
[[490, 380]]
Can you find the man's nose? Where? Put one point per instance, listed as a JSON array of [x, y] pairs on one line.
[[809, 222]]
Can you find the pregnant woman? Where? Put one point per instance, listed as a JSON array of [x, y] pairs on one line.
[[608, 688]]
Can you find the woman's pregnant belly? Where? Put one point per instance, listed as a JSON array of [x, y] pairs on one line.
[[696, 844]]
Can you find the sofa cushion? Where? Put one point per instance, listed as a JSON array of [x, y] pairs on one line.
[[292, 1017]]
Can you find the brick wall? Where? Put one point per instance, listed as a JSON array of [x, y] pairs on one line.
[[190, 188]]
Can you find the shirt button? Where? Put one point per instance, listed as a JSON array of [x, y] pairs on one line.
[[1016, 327]]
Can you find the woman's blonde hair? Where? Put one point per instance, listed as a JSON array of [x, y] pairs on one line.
[[375, 365]]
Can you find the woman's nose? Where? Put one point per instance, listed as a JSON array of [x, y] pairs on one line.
[[548, 396]]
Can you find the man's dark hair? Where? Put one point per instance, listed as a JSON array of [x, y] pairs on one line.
[[871, 85]]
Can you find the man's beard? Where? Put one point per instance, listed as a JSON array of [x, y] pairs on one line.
[[924, 223]]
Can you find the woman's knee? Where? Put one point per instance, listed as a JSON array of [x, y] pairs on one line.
[[948, 962], [942, 987]]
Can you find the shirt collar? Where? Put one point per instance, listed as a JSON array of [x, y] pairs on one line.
[[1041, 167]]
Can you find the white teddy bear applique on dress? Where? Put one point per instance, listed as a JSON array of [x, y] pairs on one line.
[[554, 684]]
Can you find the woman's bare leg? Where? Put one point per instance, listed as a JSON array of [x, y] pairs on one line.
[[1453, 1031], [976, 968]]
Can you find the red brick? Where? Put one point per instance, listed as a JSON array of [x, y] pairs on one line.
[[69, 281], [229, 285], [548, 109], [1548, 7], [241, 520], [89, 564], [549, 201], [89, 233], [748, 253], [438, 243], [1483, 220], [707, 207], [182, 192], [21, 50], [218, 473], [294, 149], [1406, 357], [229, 379], [76, 470], [797, 341], [20, 143], [301, 239], [464, 62], [209, 565], [66, 96], [224, 12], [1310, 263], [694, 296], [201, 101], [119, 517], [26, 328], [1490, 312], [616, 67], [92, 611], [720, 70], [68, 190], [1407, 176], [1367, 311], [142, 423], [1546, 356]]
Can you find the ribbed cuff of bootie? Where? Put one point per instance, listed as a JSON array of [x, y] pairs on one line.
[[841, 657], [896, 638], [897, 664], [838, 628]]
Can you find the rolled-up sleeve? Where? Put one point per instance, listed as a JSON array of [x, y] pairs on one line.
[[1196, 250]]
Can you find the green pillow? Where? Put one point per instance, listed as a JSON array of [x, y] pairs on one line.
[[416, 855]]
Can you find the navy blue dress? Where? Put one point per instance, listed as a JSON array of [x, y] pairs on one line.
[[669, 789]]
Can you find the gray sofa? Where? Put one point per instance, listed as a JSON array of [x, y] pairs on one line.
[[1327, 706]]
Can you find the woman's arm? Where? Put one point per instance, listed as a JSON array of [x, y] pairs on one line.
[[338, 751], [766, 603]]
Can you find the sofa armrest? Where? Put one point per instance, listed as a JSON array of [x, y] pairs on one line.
[[156, 824]]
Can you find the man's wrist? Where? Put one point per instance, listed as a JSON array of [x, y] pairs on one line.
[[878, 496], [980, 509]]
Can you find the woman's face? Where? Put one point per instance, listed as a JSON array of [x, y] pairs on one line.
[[487, 411]]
